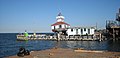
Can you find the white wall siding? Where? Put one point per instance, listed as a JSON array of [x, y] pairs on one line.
[[71, 32], [74, 32], [92, 31], [52, 27], [57, 26], [63, 26], [84, 32], [60, 20], [79, 31]]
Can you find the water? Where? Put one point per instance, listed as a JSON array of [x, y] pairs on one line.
[[9, 46]]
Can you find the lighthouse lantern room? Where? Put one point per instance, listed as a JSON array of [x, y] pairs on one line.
[[60, 25]]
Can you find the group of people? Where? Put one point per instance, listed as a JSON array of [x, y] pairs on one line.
[[23, 52]]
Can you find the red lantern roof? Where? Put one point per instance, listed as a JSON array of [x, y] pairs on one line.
[[59, 23]]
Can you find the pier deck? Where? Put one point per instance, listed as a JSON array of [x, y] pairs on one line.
[[63, 38]]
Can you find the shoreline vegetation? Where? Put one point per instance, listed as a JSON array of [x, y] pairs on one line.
[[70, 53]]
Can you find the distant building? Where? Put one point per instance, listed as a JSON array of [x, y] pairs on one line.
[[60, 25], [80, 31], [113, 27]]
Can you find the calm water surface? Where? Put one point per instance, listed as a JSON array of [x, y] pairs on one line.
[[9, 46]]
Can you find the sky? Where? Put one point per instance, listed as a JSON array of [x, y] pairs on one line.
[[38, 15]]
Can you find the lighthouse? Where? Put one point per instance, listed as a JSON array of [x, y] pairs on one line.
[[60, 27]]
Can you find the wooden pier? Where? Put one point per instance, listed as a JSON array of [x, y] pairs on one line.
[[55, 38]]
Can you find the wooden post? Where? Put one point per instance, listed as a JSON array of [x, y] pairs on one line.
[[100, 37], [113, 34], [58, 36]]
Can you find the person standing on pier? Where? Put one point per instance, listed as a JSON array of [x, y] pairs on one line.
[[26, 34]]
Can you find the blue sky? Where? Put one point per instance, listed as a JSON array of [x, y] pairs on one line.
[[38, 15]]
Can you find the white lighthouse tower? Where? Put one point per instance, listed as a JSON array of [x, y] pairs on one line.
[[60, 26], [60, 18]]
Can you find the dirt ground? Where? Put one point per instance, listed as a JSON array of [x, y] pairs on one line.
[[69, 53]]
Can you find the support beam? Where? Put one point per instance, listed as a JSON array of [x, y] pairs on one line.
[[113, 34]]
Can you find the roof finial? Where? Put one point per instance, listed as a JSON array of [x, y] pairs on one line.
[[59, 14]]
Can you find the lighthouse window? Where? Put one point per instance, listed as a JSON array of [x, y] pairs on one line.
[[84, 29], [81, 31], [88, 31], [60, 26], [54, 27], [71, 30], [76, 31]]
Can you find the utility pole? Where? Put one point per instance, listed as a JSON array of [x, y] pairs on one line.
[[96, 25]]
